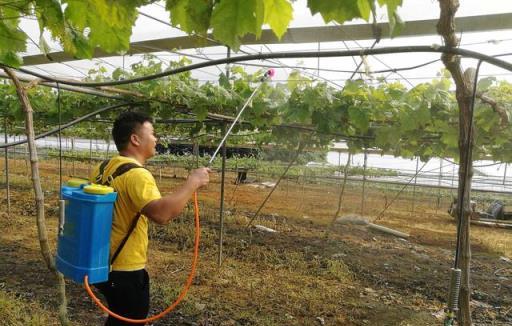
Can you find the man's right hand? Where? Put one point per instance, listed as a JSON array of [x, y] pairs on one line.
[[168, 207], [200, 177]]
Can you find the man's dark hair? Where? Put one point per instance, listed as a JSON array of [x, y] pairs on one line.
[[125, 125]]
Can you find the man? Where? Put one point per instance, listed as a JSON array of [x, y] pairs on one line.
[[138, 201]]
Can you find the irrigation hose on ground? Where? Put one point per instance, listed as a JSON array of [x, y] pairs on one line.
[[180, 296]]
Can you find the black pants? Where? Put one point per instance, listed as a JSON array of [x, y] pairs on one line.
[[127, 294]]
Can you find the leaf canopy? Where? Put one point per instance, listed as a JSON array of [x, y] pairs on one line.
[[422, 121], [82, 26]]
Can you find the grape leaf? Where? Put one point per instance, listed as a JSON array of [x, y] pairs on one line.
[[278, 14], [49, 15], [339, 11], [484, 84], [395, 22], [232, 19], [224, 81], [12, 39], [365, 8], [192, 16], [450, 138], [391, 4], [109, 23], [359, 117]]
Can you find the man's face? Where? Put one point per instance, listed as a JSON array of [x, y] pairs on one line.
[[146, 139]]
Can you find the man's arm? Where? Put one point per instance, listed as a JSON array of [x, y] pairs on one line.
[[162, 210]]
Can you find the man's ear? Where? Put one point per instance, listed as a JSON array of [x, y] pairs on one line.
[[134, 139]]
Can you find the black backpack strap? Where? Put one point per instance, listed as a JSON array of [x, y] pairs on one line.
[[122, 169], [123, 242], [99, 177]]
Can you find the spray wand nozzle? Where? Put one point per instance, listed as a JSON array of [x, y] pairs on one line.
[[268, 74]]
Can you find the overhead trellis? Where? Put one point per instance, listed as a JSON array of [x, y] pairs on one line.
[[333, 114]]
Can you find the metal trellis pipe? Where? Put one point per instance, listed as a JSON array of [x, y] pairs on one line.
[[289, 55]]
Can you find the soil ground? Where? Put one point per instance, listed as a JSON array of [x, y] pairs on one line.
[[307, 273]]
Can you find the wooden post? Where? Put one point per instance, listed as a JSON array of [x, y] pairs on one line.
[[505, 174], [195, 150], [90, 156], [303, 190], [59, 135], [222, 182], [363, 193], [414, 186], [439, 183], [108, 142], [221, 209], [73, 154], [453, 175], [342, 190], [26, 158], [7, 184]]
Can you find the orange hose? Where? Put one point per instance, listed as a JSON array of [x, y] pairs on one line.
[[182, 293]]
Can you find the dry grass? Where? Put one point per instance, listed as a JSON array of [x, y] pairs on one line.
[[19, 312], [494, 240], [293, 277], [258, 284]]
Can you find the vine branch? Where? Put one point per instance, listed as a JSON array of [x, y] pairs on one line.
[[500, 110]]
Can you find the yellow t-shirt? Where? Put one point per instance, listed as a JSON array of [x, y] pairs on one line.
[[135, 189]]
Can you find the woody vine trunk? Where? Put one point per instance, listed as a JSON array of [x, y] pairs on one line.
[[39, 195], [463, 92]]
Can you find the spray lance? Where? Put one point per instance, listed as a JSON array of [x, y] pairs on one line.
[[267, 75]]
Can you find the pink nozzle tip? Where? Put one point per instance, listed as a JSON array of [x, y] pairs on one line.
[[271, 73]]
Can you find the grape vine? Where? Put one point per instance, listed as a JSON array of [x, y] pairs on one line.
[[422, 121]]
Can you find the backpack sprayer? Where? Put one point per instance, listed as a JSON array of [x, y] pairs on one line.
[[85, 224]]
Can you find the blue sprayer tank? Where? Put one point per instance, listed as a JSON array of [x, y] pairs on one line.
[[84, 243]]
